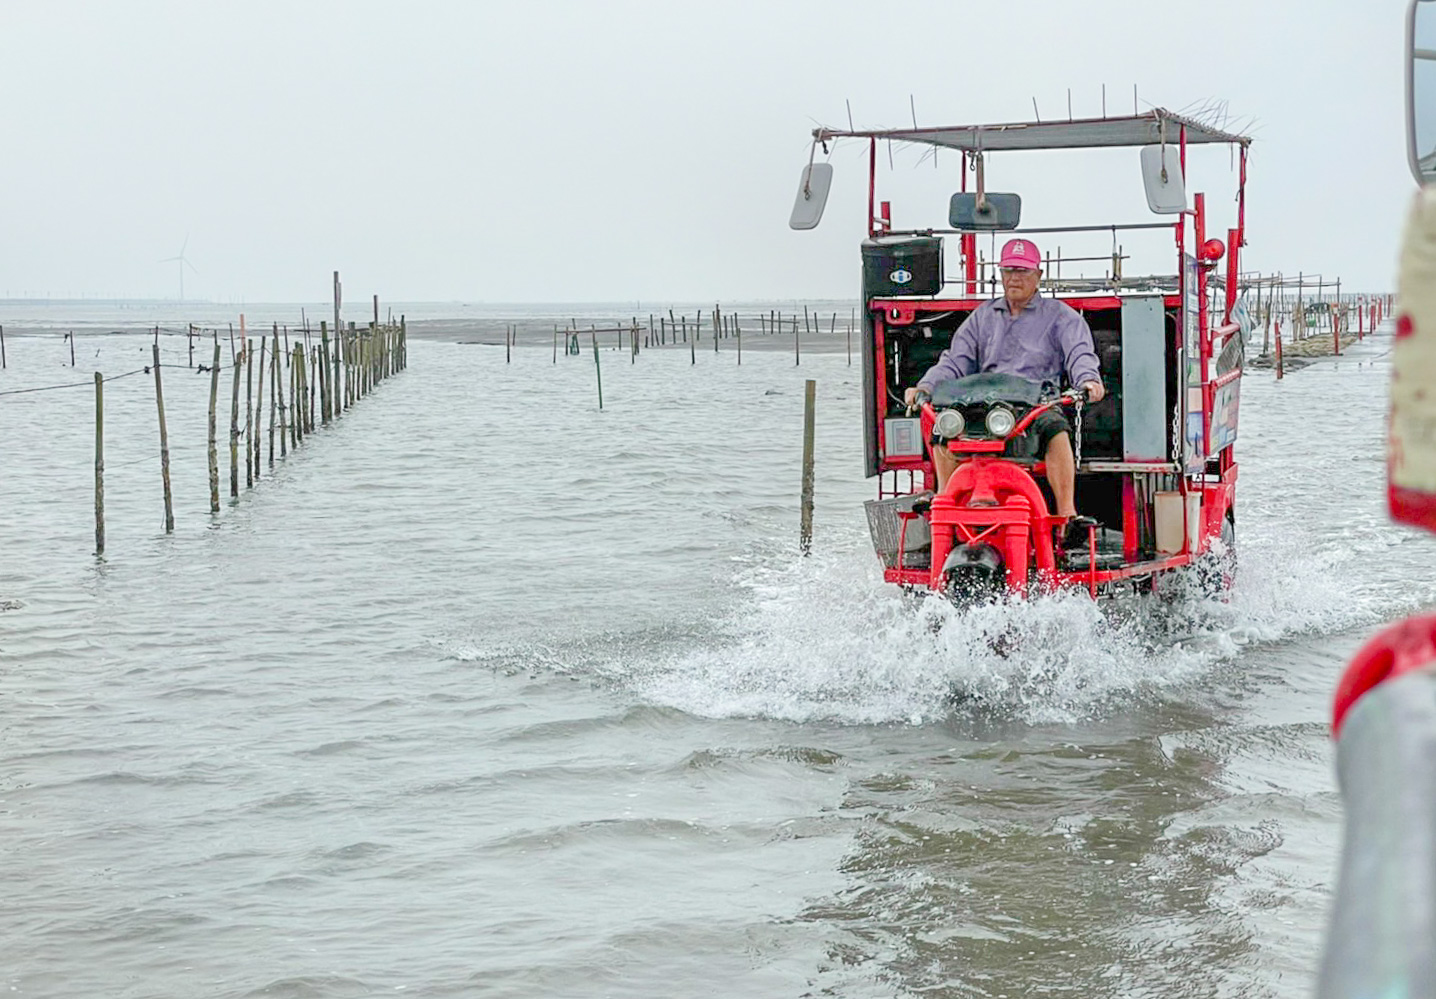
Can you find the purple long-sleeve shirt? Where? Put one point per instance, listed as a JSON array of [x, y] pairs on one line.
[[1046, 338]]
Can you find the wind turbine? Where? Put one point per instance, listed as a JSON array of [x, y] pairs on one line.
[[183, 263]]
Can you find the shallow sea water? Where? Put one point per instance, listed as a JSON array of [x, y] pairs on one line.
[[485, 692]]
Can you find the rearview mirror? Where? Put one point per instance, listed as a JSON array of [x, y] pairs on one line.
[[813, 189], [1162, 177], [1000, 212], [1421, 90]]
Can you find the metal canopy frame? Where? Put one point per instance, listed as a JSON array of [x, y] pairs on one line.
[[1154, 127]]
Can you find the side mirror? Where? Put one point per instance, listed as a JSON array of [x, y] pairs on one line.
[[812, 198], [1421, 90], [1162, 178], [1000, 213]]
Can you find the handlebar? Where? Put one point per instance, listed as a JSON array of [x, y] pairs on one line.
[[922, 402]]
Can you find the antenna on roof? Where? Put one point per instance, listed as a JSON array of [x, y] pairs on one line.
[[913, 108], [1134, 100], [850, 114], [1035, 113], [1069, 103], [1104, 100]]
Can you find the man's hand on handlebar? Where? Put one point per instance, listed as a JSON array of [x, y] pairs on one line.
[[915, 397], [1094, 390]]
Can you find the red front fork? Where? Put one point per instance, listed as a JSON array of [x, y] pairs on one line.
[[995, 501], [990, 499]]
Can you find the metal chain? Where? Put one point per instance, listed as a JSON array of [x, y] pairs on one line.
[[1078, 455], [1177, 434]]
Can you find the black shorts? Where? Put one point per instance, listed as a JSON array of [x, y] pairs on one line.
[[1047, 426]]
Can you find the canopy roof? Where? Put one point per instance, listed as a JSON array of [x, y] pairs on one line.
[[1085, 133]]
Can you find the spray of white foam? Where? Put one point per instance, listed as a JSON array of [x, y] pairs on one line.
[[825, 638]]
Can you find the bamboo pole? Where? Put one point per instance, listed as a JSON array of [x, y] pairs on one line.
[[99, 463], [324, 380], [3, 365], [805, 523], [309, 362], [338, 331], [235, 364], [273, 394], [738, 333], [322, 366], [259, 407], [248, 415], [597, 370], [336, 396], [296, 397], [213, 454], [164, 445], [278, 387]]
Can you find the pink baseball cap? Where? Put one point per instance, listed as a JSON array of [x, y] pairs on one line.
[[1020, 253]]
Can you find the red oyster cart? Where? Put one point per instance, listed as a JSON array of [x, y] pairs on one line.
[[1156, 467]]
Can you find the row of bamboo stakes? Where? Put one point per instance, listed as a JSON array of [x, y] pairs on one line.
[[1306, 316], [319, 382], [672, 330]]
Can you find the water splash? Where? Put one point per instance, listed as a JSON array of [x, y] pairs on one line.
[[826, 638]]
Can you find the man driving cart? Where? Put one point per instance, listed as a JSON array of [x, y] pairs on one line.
[[1027, 335]]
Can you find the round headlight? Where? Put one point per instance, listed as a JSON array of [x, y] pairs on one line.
[[949, 424], [1000, 421]]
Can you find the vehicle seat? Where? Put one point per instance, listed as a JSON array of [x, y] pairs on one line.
[[1102, 421]]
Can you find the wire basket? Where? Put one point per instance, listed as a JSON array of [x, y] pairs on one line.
[[886, 528]]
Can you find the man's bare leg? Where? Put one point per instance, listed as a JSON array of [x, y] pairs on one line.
[[1062, 474], [944, 464]]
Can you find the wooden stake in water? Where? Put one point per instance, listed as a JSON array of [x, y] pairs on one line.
[[248, 415], [164, 446], [296, 393], [2, 348], [213, 454], [805, 523], [597, 369], [99, 463], [325, 383], [259, 408], [276, 396], [234, 429], [338, 335]]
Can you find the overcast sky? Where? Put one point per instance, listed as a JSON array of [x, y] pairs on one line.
[[641, 151]]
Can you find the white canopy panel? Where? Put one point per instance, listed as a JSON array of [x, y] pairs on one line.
[[1089, 133]]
